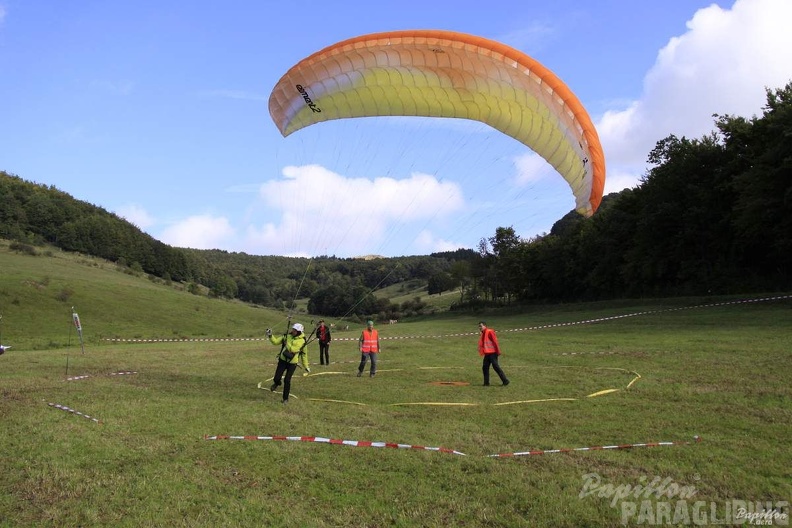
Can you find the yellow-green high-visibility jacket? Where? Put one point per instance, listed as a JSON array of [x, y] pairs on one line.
[[295, 345]]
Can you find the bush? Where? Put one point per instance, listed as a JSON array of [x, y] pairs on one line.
[[65, 294], [19, 247]]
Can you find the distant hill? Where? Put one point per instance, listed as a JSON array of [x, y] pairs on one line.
[[40, 286], [38, 215]]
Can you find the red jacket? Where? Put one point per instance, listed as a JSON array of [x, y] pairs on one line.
[[488, 342]]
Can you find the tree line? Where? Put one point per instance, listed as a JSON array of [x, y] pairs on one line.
[[32, 215], [711, 215]]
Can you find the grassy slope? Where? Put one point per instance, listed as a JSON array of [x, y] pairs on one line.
[[37, 294], [717, 371], [402, 292]]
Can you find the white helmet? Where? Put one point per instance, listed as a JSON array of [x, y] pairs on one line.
[[298, 327]]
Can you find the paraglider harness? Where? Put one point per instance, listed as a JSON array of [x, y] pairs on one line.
[[288, 354]]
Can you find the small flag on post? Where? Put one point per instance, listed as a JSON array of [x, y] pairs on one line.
[[2, 347], [78, 326]]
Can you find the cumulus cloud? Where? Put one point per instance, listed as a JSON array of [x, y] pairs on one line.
[[320, 210], [199, 232], [722, 64], [427, 242], [531, 168], [313, 210], [137, 215]]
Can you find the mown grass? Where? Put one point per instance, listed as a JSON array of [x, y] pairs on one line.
[[718, 371]]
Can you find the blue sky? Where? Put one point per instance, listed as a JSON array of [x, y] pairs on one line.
[[157, 111]]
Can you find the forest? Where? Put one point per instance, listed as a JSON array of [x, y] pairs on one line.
[[712, 215]]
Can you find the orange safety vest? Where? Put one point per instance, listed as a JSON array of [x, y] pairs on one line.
[[488, 343], [370, 341]]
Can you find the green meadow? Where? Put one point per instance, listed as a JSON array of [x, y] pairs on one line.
[[140, 452]]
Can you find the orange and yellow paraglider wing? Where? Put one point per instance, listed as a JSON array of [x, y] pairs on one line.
[[448, 74]]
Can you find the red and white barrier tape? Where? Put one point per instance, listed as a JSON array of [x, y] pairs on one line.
[[78, 413], [359, 443], [184, 340], [464, 334], [354, 443], [594, 448], [75, 378]]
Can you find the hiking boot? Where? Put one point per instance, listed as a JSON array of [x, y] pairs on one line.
[[485, 385], [360, 373], [372, 374], [505, 383], [285, 402], [274, 386]]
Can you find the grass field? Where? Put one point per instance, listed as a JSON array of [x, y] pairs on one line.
[[718, 372], [680, 368]]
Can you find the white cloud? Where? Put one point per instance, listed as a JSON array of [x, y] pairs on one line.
[[2, 14], [320, 211], [199, 232], [619, 178], [137, 215], [721, 65], [532, 168], [426, 242]]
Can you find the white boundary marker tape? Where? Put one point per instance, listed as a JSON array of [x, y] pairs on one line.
[[467, 334], [321, 440], [85, 376], [185, 340], [594, 448], [359, 443], [69, 409]]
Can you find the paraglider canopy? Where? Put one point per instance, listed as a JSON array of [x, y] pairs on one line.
[[433, 73]]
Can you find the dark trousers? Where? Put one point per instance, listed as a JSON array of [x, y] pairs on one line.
[[324, 353], [282, 367], [492, 359], [368, 355]]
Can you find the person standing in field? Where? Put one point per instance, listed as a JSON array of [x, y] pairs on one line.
[[490, 349], [292, 353], [369, 348], [323, 336]]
